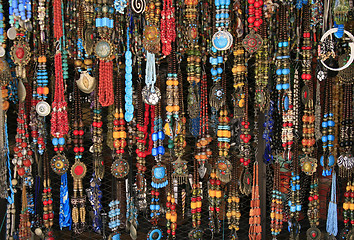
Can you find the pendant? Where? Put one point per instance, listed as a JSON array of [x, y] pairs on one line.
[[294, 228], [151, 95], [305, 94], [180, 171], [222, 40], [20, 52], [12, 33], [308, 165], [159, 176], [21, 91], [202, 170], [195, 234], [246, 182], [43, 108], [120, 168], [104, 50], [224, 169], [217, 96], [151, 38], [120, 5], [192, 33], [313, 233], [89, 42], [78, 170], [138, 6], [155, 234], [346, 161], [59, 164], [86, 82], [193, 103], [114, 236], [252, 42]]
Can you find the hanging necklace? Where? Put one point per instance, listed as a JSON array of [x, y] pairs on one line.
[[48, 213], [253, 41], [196, 206], [25, 224], [255, 230], [346, 160], [78, 170], [327, 159], [151, 94], [313, 213], [129, 108], [308, 163], [276, 214], [104, 52], [152, 34], [168, 27]]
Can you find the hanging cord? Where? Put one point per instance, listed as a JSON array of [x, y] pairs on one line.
[[332, 222]]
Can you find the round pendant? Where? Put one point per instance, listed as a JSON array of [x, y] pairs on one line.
[[159, 176], [43, 108], [78, 170], [12, 33], [104, 50], [2, 51], [59, 164], [195, 234], [217, 96], [305, 94], [192, 33], [151, 96], [313, 233], [154, 234], [120, 168], [252, 42], [308, 165], [222, 40]]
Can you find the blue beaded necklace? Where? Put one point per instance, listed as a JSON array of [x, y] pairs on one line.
[[129, 108]]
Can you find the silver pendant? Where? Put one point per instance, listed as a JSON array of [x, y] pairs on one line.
[[12, 33], [43, 108], [151, 95]]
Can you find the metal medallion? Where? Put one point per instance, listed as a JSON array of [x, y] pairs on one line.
[[120, 168], [104, 50], [78, 170], [151, 95], [12, 33], [252, 42], [59, 164]]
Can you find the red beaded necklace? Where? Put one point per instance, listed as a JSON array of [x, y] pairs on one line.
[[105, 90], [168, 28]]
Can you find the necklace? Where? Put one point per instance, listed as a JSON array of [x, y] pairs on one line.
[[255, 231], [276, 214], [48, 213], [314, 211], [78, 170], [129, 108], [152, 34], [24, 226], [168, 32]]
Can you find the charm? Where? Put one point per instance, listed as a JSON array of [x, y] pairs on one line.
[[78, 170], [104, 50], [202, 170], [305, 94], [222, 40], [195, 234], [2, 51], [59, 164], [252, 42], [217, 96], [159, 176], [192, 33], [120, 168], [154, 234], [346, 161], [138, 6], [180, 171], [151, 96], [224, 169], [21, 91], [12, 33], [246, 182], [313, 233], [86, 82], [308, 165], [89, 42], [20, 52], [193, 103], [43, 108], [151, 38], [120, 5]]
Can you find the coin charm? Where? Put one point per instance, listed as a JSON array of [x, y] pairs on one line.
[[120, 168], [151, 96], [104, 50], [59, 164], [12, 33], [43, 108], [78, 170], [222, 40], [2, 51]]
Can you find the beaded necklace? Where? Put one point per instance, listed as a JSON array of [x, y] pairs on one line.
[[152, 34], [253, 41], [129, 108], [168, 27], [346, 160], [78, 169], [313, 212], [48, 213], [25, 224], [348, 212], [327, 159], [196, 206], [255, 230], [104, 52], [276, 214], [2, 36]]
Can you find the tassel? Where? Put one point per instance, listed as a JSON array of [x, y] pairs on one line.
[[332, 222], [64, 211]]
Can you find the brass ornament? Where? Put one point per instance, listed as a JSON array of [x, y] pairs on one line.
[[120, 168], [59, 164], [20, 52], [78, 170], [223, 170], [180, 171], [252, 42], [217, 96], [151, 38], [308, 165], [313, 233]]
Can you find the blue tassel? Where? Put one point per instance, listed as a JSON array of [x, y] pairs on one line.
[[332, 222], [64, 211]]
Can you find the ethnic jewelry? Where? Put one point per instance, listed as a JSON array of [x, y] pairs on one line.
[[104, 51], [196, 207], [129, 108], [152, 34], [276, 214], [255, 230], [171, 215], [48, 213], [151, 94], [78, 170], [313, 212], [348, 206], [327, 159], [25, 224], [268, 134], [215, 197], [346, 159], [138, 6], [22, 152], [168, 28], [253, 41]]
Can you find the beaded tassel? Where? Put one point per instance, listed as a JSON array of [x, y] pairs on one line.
[[255, 230], [332, 221]]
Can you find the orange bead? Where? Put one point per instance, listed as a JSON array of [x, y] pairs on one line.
[[45, 90]]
